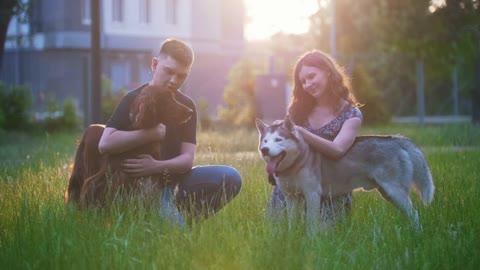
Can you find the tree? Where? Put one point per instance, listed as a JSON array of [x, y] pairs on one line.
[[9, 9], [239, 95], [462, 36], [389, 36]]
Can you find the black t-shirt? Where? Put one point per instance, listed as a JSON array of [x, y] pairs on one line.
[[176, 134]]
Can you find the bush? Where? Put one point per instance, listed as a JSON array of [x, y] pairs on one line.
[[56, 120], [15, 107], [204, 118], [374, 110], [110, 99], [3, 114], [3, 119], [69, 116], [239, 96]]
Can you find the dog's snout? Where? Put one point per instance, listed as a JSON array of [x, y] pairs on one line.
[[265, 150]]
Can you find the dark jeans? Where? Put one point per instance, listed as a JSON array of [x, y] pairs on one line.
[[199, 193]]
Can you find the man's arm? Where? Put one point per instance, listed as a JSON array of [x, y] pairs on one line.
[[145, 165], [115, 141]]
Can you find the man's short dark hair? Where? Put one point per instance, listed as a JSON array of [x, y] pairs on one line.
[[177, 49]]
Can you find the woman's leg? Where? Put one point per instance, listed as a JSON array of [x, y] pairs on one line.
[[206, 189], [276, 209], [336, 209]]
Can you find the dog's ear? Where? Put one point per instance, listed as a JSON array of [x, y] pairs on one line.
[[261, 126], [288, 124]]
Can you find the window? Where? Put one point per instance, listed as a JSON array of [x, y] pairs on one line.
[[145, 7], [117, 14], [172, 7], [85, 11], [120, 74]]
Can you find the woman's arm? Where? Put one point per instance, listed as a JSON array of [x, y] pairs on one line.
[[340, 145], [115, 141], [145, 165]]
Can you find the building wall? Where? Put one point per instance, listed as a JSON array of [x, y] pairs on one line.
[[217, 39], [49, 73], [56, 59], [273, 92]]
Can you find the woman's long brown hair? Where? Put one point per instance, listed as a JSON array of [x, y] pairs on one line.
[[338, 86]]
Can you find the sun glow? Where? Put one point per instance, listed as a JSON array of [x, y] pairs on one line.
[[267, 17], [436, 4]]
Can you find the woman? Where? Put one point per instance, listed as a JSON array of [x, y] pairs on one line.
[[326, 113]]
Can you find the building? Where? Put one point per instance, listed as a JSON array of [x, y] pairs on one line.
[[52, 52]]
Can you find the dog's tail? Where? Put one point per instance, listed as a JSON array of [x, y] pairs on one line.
[[424, 184], [72, 193], [422, 177]]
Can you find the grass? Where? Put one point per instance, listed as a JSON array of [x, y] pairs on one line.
[[38, 232]]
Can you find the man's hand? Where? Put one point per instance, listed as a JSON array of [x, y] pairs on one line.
[[159, 131], [143, 165]]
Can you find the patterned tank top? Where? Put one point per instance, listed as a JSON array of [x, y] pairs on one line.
[[331, 130]]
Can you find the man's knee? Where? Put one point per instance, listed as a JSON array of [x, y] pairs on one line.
[[233, 181]]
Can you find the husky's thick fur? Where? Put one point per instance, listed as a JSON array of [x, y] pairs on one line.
[[390, 164]]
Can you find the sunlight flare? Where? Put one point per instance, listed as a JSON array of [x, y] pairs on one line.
[[267, 17]]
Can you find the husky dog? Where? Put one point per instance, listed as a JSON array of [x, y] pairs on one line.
[[390, 164]]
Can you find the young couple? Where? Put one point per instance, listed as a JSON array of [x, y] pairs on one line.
[[323, 107]]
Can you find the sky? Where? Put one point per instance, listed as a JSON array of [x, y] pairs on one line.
[[267, 17]]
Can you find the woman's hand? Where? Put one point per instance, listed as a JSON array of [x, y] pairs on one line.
[[277, 122], [143, 165], [300, 129], [340, 145]]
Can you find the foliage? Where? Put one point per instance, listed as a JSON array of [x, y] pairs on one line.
[[110, 98], [285, 50], [51, 103], [52, 121], [56, 119], [8, 9], [204, 118], [239, 95], [70, 119], [367, 93], [3, 98], [389, 37], [15, 105]]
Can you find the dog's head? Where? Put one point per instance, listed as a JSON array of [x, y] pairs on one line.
[[156, 105], [279, 144]]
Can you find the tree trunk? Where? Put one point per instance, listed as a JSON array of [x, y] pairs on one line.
[[476, 94], [6, 14], [96, 84]]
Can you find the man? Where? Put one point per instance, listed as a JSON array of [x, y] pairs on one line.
[[202, 190]]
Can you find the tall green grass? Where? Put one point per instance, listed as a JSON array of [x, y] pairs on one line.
[[38, 232]]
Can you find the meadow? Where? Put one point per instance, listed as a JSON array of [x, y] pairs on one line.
[[37, 231]]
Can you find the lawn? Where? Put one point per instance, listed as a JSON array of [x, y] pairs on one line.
[[37, 231]]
